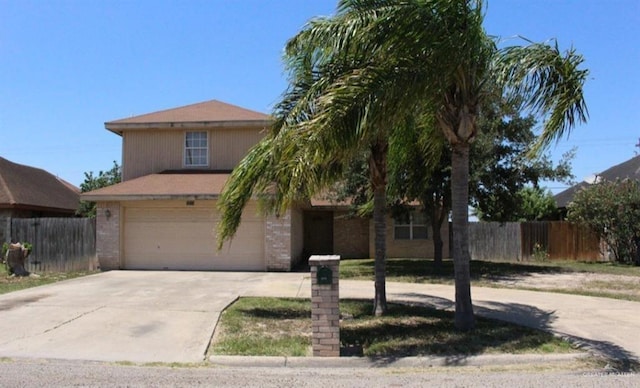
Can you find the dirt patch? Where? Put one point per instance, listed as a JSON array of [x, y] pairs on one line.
[[626, 287]]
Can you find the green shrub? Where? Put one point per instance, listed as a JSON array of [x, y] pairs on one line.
[[612, 211]]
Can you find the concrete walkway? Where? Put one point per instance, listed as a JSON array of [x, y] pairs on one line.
[[142, 316]]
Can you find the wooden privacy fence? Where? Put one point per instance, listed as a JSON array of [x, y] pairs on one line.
[[516, 241], [59, 244], [495, 241]]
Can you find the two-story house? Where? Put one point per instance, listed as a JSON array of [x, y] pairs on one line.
[[163, 215]]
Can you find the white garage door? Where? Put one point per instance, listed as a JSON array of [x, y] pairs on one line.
[[174, 236]]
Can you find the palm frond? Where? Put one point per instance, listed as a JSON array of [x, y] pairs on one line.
[[548, 83], [251, 175]]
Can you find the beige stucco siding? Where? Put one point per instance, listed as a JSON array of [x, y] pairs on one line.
[[153, 151]]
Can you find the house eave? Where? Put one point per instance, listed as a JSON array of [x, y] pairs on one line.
[[22, 206], [148, 197], [119, 128]]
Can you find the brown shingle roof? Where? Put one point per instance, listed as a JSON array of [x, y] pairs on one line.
[[162, 186], [33, 188], [209, 112]]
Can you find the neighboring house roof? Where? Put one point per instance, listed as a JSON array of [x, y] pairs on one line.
[[167, 185], [28, 187], [629, 169], [204, 114]]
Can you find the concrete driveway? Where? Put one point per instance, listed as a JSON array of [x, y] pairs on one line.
[[133, 316], [143, 316]]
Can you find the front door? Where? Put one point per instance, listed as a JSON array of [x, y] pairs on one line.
[[318, 233]]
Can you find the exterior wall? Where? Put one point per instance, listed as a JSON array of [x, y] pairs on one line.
[[410, 248], [350, 236], [150, 151], [297, 235], [282, 246], [227, 147], [108, 235], [278, 242]]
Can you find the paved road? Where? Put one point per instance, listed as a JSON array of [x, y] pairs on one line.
[[169, 316], [65, 373]]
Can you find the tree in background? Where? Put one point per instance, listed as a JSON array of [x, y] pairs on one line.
[[504, 180], [536, 204], [612, 211], [92, 182]]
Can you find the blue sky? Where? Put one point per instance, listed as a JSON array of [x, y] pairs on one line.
[[66, 67]]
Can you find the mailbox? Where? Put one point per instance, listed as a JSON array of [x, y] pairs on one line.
[[325, 275]]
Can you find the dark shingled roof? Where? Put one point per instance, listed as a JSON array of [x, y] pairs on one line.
[[33, 188], [629, 169]]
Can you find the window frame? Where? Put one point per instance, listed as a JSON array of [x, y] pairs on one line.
[[410, 226], [188, 149]]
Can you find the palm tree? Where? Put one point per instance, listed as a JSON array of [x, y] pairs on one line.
[[387, 60], [434, 57], [308, 149]]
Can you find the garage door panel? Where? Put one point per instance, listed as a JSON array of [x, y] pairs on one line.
[[184, 239]]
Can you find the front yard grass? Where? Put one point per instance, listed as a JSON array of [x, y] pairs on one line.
[[610, 280], [282, 327], [15, 283], [423, 270]]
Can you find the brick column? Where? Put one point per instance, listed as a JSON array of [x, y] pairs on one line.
[[108, 235], [325, 309], [278, 242]]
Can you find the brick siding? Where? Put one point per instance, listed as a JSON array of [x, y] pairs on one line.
[[108, 235]]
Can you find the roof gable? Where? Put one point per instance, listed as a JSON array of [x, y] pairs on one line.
[[628, 169], [29, 187], [208, 112]]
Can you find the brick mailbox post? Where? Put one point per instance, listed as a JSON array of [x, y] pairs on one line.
[[325, 308]]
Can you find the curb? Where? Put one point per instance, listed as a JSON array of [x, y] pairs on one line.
[[402, 362]]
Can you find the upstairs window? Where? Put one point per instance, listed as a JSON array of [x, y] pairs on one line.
[[410, 226], [196, 149]]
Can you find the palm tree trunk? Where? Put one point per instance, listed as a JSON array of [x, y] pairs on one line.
[[464, 319], [378, 173], [379, 222], [436, 228]]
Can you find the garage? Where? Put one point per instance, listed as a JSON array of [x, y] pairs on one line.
[[180, 235]]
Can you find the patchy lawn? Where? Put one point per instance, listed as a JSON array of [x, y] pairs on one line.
[[591, 279], [15, 283], [282, 327], [264, 327]]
